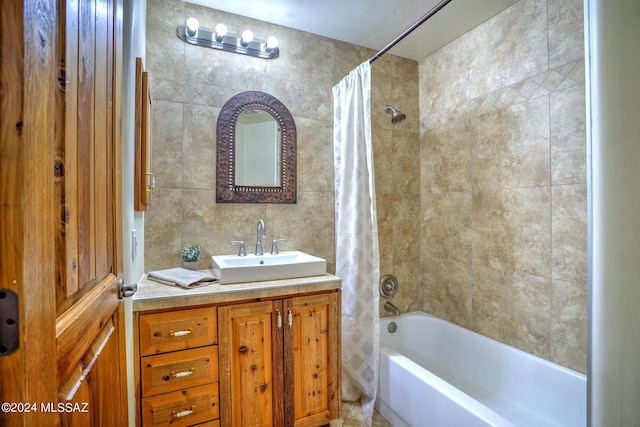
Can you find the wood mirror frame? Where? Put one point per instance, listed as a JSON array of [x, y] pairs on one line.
[[226, 189]]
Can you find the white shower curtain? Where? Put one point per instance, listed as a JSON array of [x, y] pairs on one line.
[[357, 255]]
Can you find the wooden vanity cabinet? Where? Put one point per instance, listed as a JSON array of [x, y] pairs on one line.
[[260, 362], [280, 361]]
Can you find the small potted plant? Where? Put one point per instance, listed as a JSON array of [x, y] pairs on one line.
[[190, 255]]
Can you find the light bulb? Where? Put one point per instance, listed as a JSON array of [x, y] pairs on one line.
[[247, 37], [192, 26], [272, 43], [221, 31]]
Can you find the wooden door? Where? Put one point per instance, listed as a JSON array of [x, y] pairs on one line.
[[250, 341], [312, 360], [61, 232]]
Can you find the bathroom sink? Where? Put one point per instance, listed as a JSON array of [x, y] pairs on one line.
[[256, 268]]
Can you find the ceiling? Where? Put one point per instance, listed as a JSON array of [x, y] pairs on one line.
[[370, 23]]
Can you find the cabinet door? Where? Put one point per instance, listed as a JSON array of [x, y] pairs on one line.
[[250, 343], [312, 359]]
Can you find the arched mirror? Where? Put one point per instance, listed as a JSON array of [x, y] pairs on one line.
[[256, 151]]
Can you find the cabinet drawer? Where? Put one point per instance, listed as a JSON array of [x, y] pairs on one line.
[[181, 369], [177, 330], [181, 408], [214, 423]]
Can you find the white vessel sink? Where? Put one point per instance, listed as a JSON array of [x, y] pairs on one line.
[[257, 268]]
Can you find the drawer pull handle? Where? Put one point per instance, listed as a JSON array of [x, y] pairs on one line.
[[180, 333], [182, 413], [278, 319], [182, 374], [290, 319]]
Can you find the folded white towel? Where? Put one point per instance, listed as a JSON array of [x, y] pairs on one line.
[[182, 277]]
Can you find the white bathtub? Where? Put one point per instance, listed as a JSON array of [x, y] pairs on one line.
[[434, 373]]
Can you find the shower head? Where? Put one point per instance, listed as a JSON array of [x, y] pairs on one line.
[[397, 116]]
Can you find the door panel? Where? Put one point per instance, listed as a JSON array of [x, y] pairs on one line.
[[79, 326], [87, 399], [89, 332], [61, 217], [12, 206], [26, 201]]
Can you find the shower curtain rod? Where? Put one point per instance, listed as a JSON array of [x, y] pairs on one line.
[[406, 32]]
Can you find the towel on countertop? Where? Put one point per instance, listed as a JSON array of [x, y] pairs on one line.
[[182, 277]]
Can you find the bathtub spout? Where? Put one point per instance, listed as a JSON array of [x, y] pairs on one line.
[[389, 306]]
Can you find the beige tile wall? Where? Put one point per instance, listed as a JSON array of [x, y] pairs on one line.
[[190, 85], [397, 169], [503, 180]]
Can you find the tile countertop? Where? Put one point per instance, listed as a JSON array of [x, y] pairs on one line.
[[153, 295]]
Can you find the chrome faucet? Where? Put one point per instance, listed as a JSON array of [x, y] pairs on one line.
[[261, 232], [389, 306]]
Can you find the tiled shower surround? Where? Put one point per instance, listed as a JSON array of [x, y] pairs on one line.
[[481, 193], [503, 181]]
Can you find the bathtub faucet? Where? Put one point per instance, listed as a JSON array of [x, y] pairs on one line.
[[389, 306]]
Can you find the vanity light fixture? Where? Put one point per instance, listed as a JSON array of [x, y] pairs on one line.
[[220, 38], [272, 43], [221, 31], [247, 37], [192, 26]]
